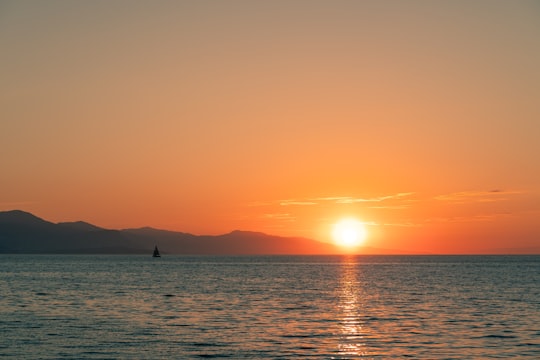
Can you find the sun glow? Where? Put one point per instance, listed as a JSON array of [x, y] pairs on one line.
[[349, 233]]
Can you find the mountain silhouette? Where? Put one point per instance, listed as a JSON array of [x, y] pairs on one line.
[[80, 225], [23, 232]]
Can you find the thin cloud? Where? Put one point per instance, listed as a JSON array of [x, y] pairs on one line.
[[279, 216], [391, 207], [296, 202], [351, 200], [331, 198], [338, 200], [472, 218], [403, 224], [465, 197], [342, 199]]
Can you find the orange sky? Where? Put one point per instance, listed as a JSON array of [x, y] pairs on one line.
[[422, 119]]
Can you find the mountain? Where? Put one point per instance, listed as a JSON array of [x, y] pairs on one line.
[[22, 232], [80, 225], [19, 217]]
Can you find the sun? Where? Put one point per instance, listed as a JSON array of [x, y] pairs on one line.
[[349, 233]]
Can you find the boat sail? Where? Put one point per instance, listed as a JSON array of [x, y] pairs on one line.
[[156, 252]]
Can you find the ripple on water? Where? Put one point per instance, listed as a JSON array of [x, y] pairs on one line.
[[269, 307]]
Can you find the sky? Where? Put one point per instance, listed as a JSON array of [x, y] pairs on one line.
[[421, 119]]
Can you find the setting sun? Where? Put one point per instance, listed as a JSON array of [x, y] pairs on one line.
[[349, 233]]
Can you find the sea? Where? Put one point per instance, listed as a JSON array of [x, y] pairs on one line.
[[269, 307]]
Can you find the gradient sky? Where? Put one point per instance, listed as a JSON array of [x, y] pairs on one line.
[[421, 118]]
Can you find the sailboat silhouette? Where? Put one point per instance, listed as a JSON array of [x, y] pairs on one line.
[[156, 252]]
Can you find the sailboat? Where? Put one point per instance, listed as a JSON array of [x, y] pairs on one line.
[[156, 252]]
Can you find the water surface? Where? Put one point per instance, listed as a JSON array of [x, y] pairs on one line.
[[269, 307]]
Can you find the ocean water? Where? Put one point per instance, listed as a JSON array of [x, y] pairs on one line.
[[269, 307]]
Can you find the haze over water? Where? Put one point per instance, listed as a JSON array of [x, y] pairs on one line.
[[269, 307]]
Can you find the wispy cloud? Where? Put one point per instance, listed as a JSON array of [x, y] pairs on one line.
[[342, 199], [391, 207], [331, 198], [403, 224], [296, 202], [472, 218], [339, 200], [279, 216], [448, 220], [465, 197], [352, 200]]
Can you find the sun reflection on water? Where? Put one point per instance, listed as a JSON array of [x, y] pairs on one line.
[[350, 306]]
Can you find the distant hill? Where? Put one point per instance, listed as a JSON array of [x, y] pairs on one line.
[[25, 233], [22, 232], [80, 225]]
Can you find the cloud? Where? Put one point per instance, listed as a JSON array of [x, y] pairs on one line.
[[342, 199], [402, 224], [465, 197], [391, 207], [472, 218], [351, 200], [296, 202], [279, 216], [332, 198]]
